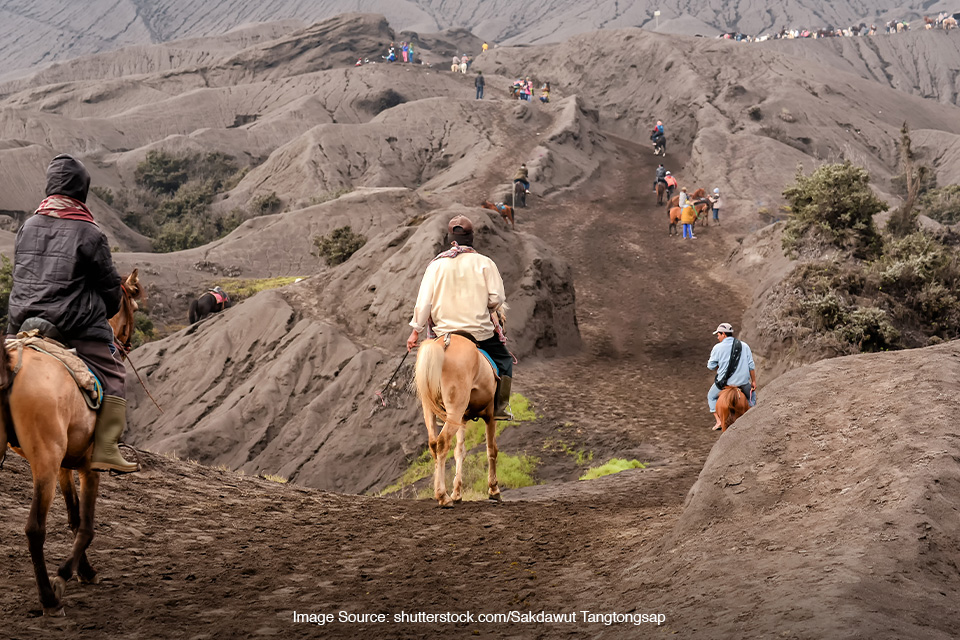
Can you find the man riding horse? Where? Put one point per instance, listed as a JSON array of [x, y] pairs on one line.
[[733, 362], [460, 291], [65, 283]]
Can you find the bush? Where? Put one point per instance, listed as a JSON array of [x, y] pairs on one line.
[[104, 193], [6, 284], [143, 329], [942, 205], [835, 202], [339, 245], [266, 204], [161, 172]]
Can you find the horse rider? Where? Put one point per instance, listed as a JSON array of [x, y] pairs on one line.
[[658, 137], [733, 362], [671, 184], [682, 198], [63, 274], [661, 174], [460, 291], [522, 177]]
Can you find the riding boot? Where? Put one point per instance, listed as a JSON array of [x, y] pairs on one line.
[[111, 421], [501, 403]]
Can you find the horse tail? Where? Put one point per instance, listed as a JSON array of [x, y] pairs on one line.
[[427, 377], [194, 313]]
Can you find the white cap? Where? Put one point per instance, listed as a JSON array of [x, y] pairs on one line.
[[724, 327], [716, 190]]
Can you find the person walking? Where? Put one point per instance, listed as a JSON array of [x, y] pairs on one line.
[[688, 215], [478, 83], [732, 359]]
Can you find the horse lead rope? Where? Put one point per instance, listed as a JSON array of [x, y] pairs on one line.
[[126, 354], [380, 393]]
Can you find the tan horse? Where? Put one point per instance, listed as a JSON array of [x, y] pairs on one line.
[[123, 323], [731, 404], [47, 422], [950, 23], [456, 384]]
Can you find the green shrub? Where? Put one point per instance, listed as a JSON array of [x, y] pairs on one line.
[[161, 172], [266, 204], [104, 193], [339, 245], [942, 205], [6, 284], [835, 202], [190, 201], [241, 288], [143, 329], [178, 236], [869, 329]]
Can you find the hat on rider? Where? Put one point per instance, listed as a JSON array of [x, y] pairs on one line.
[[460, 230], [724, 327], [716, 191], [668, 173]]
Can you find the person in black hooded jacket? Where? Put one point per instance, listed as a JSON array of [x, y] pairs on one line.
[[63, 273]]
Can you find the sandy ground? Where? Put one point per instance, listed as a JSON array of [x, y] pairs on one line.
[[193, 552]]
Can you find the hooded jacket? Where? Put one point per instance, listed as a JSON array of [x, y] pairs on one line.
[[63, 271]]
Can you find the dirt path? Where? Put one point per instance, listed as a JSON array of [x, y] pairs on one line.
[[193, 552]]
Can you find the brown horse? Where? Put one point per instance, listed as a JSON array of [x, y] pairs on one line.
[[456, 383], [46, 420], [675, 200], [731, 404], [661, 190], [519, 195], [505, 211], [123, 323], [674, 221]]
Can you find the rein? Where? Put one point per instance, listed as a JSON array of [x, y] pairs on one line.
[[380, 393], [126, 354]]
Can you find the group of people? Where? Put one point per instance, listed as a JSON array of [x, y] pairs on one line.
[[461, 64], [405, 53], [943, 20], [522, 89]]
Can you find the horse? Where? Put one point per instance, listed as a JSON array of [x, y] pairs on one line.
[[674, 221], [504, 210], [702, 207], [661, 190], [698, 194], [123, 324], [949, 23], [519, 195], [456, 383], [731, 404], [207, 304], [660, 146], [46, 420]]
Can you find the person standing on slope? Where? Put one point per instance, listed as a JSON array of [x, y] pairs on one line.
[[716, 202], [460, 293], [478, 83], [63, 273], [733, 362]]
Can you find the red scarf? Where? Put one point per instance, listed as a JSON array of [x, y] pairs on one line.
[[66, 208]]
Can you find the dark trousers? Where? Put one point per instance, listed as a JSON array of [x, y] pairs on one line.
[[498, 352], [479, 93], [104, 365]]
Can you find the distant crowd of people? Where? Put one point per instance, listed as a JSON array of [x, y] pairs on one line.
[[944, 21]]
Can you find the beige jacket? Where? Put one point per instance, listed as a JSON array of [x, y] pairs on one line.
[[459, 294]]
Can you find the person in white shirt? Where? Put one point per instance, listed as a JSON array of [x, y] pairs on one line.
[[460, 292]]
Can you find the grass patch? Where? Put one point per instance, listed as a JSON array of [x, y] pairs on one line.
[[612, 466], [273, 478], [241, 288], [580, 456], [512, 471]]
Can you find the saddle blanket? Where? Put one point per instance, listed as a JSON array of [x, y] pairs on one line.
[[496, 371], [78, 369], [219, 295]]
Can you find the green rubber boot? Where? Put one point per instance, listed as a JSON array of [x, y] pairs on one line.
[[501, 405], [111, 421]]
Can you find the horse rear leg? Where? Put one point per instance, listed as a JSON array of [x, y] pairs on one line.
[[493, 486], [80, 516], [441, 448], [44, 488], [458, 455]]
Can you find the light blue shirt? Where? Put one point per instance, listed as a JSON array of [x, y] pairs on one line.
[[720, 359]]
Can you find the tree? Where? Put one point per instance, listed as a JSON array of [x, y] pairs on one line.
[[903, 221], [836, 202]]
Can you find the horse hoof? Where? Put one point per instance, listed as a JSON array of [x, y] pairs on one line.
[[54, 612], [457, 500], [95, 579], [59, 585], [495, 497]]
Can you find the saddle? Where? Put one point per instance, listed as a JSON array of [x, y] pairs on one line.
[[220, 296], [87, 382]]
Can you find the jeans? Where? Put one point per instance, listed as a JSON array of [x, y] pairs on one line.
[[687, 230], [479, 93], [716, 215]]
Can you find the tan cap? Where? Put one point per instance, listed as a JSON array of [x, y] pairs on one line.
[[724, 327], [460, 226]]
